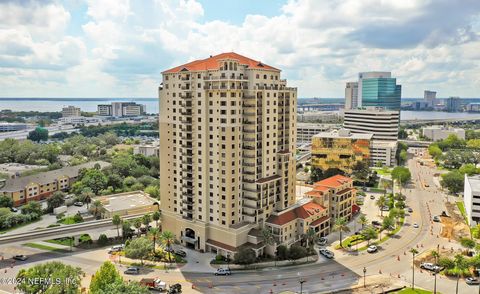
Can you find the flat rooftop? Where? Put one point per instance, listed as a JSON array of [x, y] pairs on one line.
[[474, 183], [342, 134], [125, 201]]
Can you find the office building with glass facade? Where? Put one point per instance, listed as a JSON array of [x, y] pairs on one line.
[[381, 92]]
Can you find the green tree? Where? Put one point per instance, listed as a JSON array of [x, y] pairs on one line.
[[388, 224], [127, 231], [138, 248], [137, 223], [306, 169], [125, 287], [6, 201], [469, 169], [117, 221], [460, 266], [310, 237], [268, 237], [56, 271], [37, 135], [296, 252], [146, 219], [95, 180], [403, 156], [341, 226], [154, 234], [245, 256], [402, 175], [361, 171], [102, 240], [153, 191], [368, 234], [106, 275], [468, 243], [282, 252], [32, 207], [56, 200], [453, 181], [381, 202], [316, 174], [434, 150], [86, 196], [156, 217]]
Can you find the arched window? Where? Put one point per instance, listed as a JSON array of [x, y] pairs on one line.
[[230, 67]]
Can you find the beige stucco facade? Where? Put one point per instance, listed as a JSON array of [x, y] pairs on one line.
[[227, 145]]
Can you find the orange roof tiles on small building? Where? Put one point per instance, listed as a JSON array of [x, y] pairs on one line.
[[304, 211], [214, 62], [334, 182]]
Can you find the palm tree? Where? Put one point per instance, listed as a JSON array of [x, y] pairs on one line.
[[86, 196], [460, 266], [435, 255], [156, 217], [97, 208], [116, 220], [363, 220], [310, 236], [381, 202], [385, 184], [154, 233], [137, 223], [341, 226], [414, 252], [168, 239]]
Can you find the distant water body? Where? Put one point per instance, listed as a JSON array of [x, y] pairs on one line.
[[90, 105]]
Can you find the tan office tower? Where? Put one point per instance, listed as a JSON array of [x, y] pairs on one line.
[[351, 95], [227, 147]]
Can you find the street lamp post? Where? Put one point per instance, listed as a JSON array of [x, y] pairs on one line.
[[301, 285], [228, 261], [364, 273], [435, 273]]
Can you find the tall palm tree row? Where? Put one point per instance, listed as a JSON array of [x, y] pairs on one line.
[[167, 238], [154, 234], [381, 202], [414, 252]]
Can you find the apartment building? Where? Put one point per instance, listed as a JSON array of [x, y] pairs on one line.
[[104, 110], [437, 133], [337, 194], [471, 199], [305, 131], [227, 146], [41, 186], [351, 95], [70, 111], [291, 225], [121, 109], [340, 149], [383, 153]]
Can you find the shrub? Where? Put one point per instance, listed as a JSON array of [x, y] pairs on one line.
[[78, 218], [102, 240], [219, 257], [60, 216]]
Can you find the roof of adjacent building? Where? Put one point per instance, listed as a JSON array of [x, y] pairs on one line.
[[332, 182], [303, 211], [213, 63], [474, 182], [125, 201], [17, 184], [342, 134]]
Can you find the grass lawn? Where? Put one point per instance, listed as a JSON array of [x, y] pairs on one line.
[[60, 241], [416, 291], [461, 207], [18, 226], [44, 247]]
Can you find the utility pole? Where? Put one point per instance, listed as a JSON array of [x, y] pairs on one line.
[[301, 285]]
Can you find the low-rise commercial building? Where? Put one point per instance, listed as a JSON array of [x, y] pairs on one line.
[[383, 153], [436, 133], [71, 111], [40, 186], [471, 199], [121, 109], [305, 131], [147, 150], [129, 203], [340, 149], [104, 110], [337, 194]]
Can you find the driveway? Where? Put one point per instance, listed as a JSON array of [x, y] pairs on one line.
[[196, 261]]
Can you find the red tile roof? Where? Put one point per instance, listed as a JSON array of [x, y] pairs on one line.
[[303, 212], [319, 221], [221, 245], [213, 63], [334, 182]]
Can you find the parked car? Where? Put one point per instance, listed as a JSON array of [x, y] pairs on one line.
[[327, 253], [415, 225], [436, 219], [372, 197], [372, 249], [20, 257], [322, 241], [181, 253], [472, 281], [223, 272], [78, 203], [13, 209], [132, 271], [444, 214], [154, 284], [116, 248], [410, 210], [430, 267], [174, 289], [385, 208], [376, 223], [145, 229]]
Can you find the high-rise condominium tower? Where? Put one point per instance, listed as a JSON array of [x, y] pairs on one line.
[[379, 89], [351, 95], [227, 147]]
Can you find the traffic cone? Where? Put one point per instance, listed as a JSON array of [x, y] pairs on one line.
[[398, 276], [398, 257], [380, 271]]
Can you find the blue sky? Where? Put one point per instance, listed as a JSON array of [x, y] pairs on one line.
[[117, 48]]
